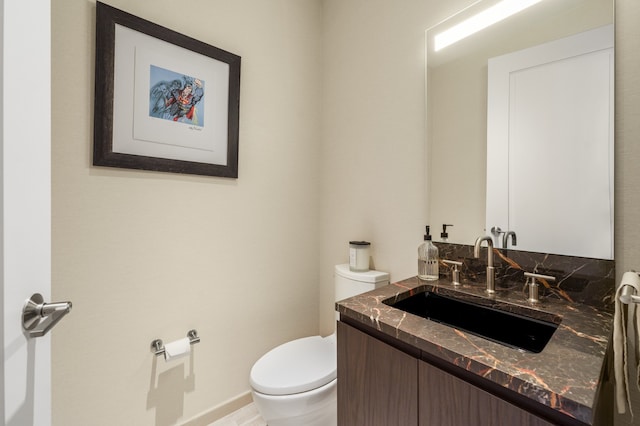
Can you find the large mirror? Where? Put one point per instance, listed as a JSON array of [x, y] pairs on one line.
[[460, 163]]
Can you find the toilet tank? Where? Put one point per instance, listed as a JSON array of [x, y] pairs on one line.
[[349, 283]]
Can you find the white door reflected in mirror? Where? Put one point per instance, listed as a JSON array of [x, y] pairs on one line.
[[550, 145]]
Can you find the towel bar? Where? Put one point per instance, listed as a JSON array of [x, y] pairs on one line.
[[628, 294]]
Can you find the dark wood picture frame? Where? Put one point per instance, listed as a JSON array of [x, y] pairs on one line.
[[103, 151]]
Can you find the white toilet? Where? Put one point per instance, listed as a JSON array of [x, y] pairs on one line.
[[295, 383]]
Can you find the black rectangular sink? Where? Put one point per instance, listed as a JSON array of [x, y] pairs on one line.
[[508, 328]]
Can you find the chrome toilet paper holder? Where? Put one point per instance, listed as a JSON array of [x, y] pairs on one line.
[[157, 346]]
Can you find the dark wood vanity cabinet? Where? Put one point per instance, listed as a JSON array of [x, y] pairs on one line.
[[446, 400], [377, 383], [389, 384]]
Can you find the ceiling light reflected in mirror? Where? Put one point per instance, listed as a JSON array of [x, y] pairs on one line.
[[480, 21]]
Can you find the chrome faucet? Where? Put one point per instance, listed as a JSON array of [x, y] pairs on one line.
[[491, 272], [505, 239]]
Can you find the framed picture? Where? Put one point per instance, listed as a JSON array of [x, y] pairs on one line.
[[163, 101]]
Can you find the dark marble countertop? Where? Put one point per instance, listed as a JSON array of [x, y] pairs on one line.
[[565, 376]]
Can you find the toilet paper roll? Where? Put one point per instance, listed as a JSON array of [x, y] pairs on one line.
[[177, 349]]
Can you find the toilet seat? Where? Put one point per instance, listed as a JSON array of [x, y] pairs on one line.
[[297, 366]]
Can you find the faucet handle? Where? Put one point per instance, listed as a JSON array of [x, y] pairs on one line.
[[455, 273], [496, 230], [533, 285]]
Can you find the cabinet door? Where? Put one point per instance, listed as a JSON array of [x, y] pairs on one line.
[[377, 383], [446, 400]]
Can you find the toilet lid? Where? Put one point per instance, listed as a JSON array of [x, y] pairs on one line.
[[297, 366]]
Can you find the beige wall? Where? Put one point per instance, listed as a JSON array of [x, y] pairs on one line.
[[373, 141], [146, 255], [331, 149], [627, 247]]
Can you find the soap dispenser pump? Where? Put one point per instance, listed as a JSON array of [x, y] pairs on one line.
[[444, 235], [428, 259]]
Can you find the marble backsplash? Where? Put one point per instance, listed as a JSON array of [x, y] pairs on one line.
[[578, 279]]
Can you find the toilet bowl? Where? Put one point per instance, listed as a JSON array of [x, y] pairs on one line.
[[295, 383]]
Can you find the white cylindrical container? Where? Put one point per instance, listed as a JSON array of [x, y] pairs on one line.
[[359, 252]]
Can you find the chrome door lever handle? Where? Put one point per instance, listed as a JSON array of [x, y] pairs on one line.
[[39, 317]]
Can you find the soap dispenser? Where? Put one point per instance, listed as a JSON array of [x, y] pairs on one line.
[[444, 235], [428, 259]]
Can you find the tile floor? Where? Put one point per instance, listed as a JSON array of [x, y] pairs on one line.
[[245, 416]]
